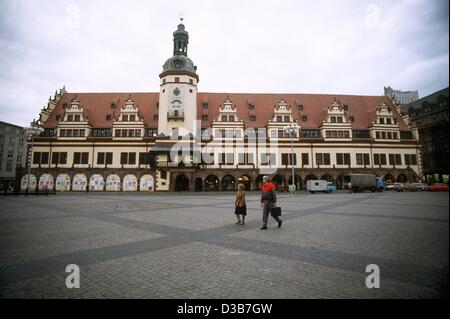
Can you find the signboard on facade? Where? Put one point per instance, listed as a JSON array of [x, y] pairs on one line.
[[113, 183], [79, 183], [147, 183], [24, 182], [130, 183], [63, 183], [96, 183]]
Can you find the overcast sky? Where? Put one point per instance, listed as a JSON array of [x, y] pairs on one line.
[[278, 46]]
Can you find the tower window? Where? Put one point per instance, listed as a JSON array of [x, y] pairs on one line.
[[177, 79], [190, 91], [191, 81], [164, 81]]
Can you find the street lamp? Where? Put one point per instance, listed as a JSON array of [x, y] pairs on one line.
[[32, 131], [292, 131]]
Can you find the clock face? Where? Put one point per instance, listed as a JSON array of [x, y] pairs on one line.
[[176, 92]]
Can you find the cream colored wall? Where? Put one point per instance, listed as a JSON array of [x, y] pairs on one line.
[[332, 149]]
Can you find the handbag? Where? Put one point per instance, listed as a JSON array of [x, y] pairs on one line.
[[275, 211]]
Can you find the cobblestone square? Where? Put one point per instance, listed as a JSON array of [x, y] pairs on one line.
[[186, 245]]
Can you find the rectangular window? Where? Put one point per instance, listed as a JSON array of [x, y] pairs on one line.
[[143, 158], [284, 159], [36, 157], [101, 158], [132, 158], [343, 159], [81, 158], [59, 158], [123, 158], [124, 118], [305, 159], [44, 157], [326, 159], [224, 118], [319, 159], [77, 158], [413, 159], [132, 118], [77, 118], [69, 118]]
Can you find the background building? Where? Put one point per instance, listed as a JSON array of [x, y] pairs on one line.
[[430, 116], [12, 152], [403, 97], [126, 141]]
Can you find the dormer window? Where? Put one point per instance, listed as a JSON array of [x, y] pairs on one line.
[[124, 118], [388, 121], [205, 105], [132, 118], [113, 105], [77, 118], [65, 105], [300, 107], [304, 118], [345, 107], [352, 119], [69, 118], [381, 120], [251, 106]]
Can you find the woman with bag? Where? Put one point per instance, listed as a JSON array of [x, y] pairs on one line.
[[241, 208], [268, 200]]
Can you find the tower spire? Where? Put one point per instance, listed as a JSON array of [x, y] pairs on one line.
[[180, 39]]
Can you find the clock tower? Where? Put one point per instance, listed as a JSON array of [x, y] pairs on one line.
[[178, 89]]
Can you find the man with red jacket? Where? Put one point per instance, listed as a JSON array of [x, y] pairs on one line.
[[268, 200]]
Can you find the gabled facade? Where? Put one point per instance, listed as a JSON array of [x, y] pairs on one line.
[[135, 141]]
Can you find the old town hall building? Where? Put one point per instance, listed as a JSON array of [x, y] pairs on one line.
[[179, 139]]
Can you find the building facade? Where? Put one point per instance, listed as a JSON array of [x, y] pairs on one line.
[[183, 140], [12, 152], [403, 97], [430, 117]]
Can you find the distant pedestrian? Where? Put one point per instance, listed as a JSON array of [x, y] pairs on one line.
[[268, 200], [241, 206], [349, 185]]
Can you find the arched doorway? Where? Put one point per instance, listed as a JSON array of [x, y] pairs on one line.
[[96, 183], [198, 184], [113, 183], [298, 181], [147, 183], [63, 183], [181, 183], [389, 179], [24, 182], [130, 183], [79, 183], [212, 183], [246, 180], [402, 178], [279, 181], [46, 182], [228, 183]]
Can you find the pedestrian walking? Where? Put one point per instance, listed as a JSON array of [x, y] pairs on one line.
[[268, 200], [241, 206], [349, 185]]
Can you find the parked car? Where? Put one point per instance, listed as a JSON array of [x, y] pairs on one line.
[[438, 187], [421, 186], [411, 187], [389, 187], [399, 187]]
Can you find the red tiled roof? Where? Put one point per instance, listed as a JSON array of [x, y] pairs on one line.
[[315, 106]]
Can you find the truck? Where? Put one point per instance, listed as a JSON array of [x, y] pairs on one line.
[[314, 186], [364, 182]]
